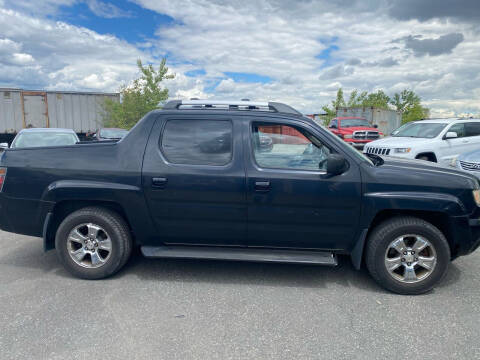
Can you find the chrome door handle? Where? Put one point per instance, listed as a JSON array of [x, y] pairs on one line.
[[159, 182], [262, 186]]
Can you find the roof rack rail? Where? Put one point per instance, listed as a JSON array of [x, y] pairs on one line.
[[231, 105]]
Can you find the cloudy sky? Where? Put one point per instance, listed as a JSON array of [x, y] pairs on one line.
[[295, 51]]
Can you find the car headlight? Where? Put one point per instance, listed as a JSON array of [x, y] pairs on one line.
[[347, 136], [403, 150], [476, 196]]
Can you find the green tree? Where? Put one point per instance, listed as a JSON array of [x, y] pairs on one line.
[[356, 99], [407, 102], [137, 99], [410, 105], [377, 99], [332, 110]]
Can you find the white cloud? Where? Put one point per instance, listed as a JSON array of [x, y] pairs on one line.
[[280, 39], [106, 10], [275, 39], [10, 55], [42, 7], [57, 55], [22, 59]]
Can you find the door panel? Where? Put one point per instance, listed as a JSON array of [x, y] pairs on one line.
[[35, 109], [455, 146], [291, 201], [196, 204], [472, 130]]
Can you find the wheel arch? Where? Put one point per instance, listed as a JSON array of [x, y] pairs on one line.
[[440, 220], [431, 155], [65, 207]]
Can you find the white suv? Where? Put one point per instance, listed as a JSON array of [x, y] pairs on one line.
[[439, 140]]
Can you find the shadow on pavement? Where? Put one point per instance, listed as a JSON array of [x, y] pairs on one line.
[[29, 255], [251, 273]]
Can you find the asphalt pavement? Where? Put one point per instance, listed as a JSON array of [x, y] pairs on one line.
[[187, 309]]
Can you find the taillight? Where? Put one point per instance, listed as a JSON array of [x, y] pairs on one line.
[[3, 173]]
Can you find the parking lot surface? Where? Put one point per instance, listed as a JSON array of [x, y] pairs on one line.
[[187, 309]]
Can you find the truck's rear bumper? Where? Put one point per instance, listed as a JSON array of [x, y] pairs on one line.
[[23, 216]]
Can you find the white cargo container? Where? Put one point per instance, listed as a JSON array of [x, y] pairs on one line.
[[387, 120], [80, 111]]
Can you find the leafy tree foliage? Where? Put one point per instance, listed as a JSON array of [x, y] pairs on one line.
[[332, 110], [410, 105], [137, 99], [407, 102], [377, 99]]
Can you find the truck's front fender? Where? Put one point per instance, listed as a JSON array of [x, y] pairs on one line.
[[412, 200], [401, 201]]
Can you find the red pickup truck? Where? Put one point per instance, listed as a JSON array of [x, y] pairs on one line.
[[356, 131]]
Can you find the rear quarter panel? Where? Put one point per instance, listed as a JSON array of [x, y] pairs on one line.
[[40, 178]]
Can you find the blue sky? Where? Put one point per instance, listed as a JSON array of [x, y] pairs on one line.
[[133, 23], [296, 52]]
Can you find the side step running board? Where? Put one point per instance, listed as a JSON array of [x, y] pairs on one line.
[[241, 254]]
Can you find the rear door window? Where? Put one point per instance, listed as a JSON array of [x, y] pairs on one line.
[[197, 142], [472, 128]]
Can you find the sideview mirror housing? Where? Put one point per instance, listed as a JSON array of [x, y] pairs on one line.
[[451, 135], [3, 146], [333, 126], [336, 164]]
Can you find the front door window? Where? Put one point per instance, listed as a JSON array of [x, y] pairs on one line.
[[287, 147]]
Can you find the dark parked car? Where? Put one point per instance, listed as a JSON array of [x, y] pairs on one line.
[[307, 201], [110, 134]]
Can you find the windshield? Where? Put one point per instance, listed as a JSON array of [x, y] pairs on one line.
[[113, 133], [45, 138], [354, 122], [419, 130]]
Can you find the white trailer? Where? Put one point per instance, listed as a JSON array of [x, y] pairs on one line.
[[81, 111]]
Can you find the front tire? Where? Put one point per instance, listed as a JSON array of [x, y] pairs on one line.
[[93, 243], [407, 255]]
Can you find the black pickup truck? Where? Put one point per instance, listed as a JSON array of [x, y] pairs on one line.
[[195, 180]]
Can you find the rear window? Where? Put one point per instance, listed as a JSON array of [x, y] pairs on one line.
[[198, 142], [47, 138], [113, 133]]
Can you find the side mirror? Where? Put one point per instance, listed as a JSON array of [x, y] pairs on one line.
[[336, 164], [333, 126], [451, 135], [375, 126], [3, 146]]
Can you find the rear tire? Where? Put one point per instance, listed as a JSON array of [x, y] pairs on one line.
[[407, 255], [93, 243]]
